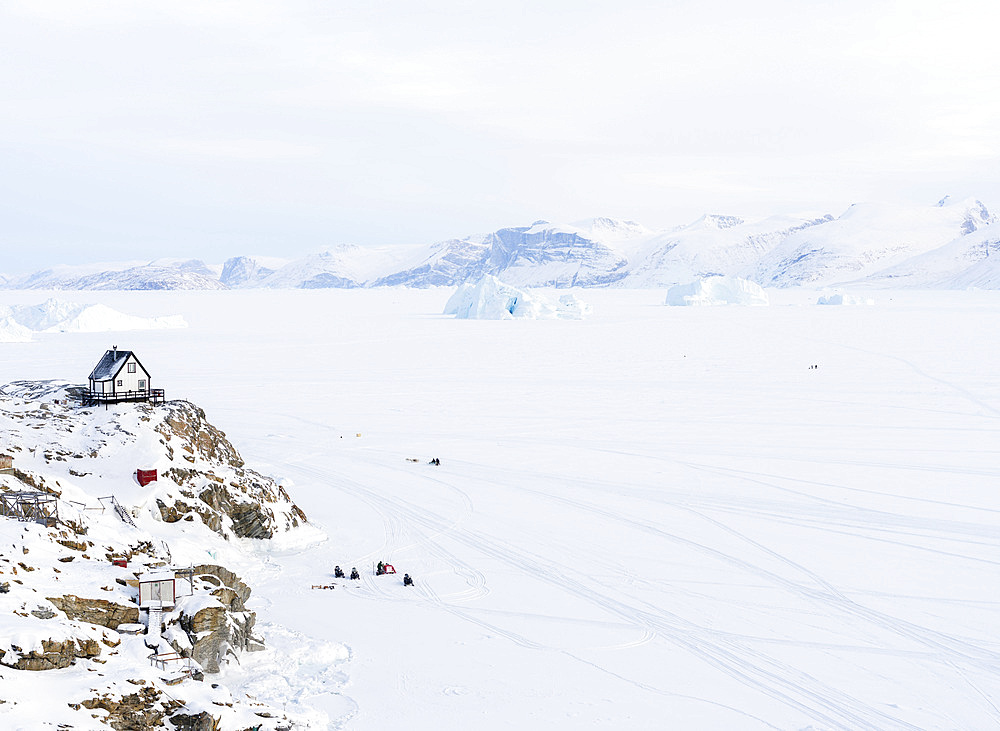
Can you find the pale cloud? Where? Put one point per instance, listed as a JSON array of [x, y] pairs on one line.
[[391, 120], [234, 149]]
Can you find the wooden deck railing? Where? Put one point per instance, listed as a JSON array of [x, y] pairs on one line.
[[95, 398]]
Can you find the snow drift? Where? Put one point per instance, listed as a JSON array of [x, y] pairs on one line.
[[717, 291], [491, 299]]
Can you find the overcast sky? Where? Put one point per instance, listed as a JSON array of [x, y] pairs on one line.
[[133, 130]]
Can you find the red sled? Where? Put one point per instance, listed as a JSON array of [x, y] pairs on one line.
[[388, 568]]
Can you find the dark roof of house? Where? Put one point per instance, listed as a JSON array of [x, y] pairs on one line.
[[112, 362]]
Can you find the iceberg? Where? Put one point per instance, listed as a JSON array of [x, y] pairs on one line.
[[491, 299], [717, 291], [844, 299], [55, 315]]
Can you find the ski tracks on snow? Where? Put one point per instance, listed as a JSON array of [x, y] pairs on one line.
[[728, 653]]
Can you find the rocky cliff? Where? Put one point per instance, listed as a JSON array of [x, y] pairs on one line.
[[69, 579]]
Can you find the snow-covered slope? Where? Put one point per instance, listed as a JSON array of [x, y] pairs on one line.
[[866, 239], [70, 621], [446, 263], [341, 267], [160, 274], [970, 260], [712, 245]]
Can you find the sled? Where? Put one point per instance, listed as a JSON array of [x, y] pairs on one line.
[[388, 568]]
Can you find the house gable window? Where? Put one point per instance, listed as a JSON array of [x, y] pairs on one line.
[[142, 384], [131, 367]]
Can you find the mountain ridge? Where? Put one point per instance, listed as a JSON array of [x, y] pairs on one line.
[[868, 244]]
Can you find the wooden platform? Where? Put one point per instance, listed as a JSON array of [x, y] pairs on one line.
[[96, 398]]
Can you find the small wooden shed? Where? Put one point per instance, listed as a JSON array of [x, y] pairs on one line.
[[157, 590]]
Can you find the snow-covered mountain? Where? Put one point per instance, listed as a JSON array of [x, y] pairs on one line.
[[160, 274], [866, 239], [972, 260], [869, 244], [547, 255], [241, 271], [713, 245]]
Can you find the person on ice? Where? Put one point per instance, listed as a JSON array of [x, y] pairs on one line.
[[355, 574], [381, 569], [407, 581], [338, 573]]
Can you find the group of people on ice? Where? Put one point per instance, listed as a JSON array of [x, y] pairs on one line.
[[380, 570]]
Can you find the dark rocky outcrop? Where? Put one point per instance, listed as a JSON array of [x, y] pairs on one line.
[[203, 721]]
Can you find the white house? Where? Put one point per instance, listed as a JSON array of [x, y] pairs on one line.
[[119, 371]]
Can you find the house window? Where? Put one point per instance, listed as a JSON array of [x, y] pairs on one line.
[[142, 384], [131, 367], [119, 381]]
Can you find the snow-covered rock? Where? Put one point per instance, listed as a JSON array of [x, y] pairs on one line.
[[717, 291], [66, 606], [491, 299]]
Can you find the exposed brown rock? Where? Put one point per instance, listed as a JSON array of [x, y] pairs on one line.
[[96, 611], [144, 709], [187, 422], [54, 654], [218, 631]]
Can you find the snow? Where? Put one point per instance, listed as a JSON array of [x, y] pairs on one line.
[[491, 299], [717, 291], [659, 516]]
